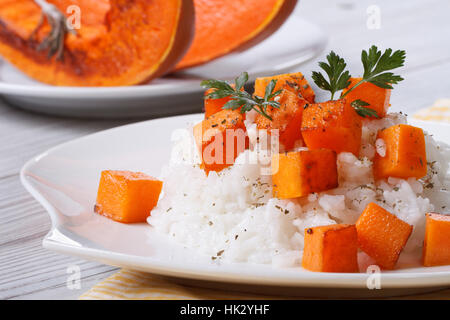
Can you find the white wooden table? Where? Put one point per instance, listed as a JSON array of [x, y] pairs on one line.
[[27, 271]]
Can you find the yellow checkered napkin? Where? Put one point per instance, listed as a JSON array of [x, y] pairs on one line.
[[439, 111], [134, 285], [127, 284]]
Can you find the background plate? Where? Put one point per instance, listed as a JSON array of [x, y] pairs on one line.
[[65, 178], [173, 94]]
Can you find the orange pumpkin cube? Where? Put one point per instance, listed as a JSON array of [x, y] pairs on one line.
[[299, 173], [382, 235], [215, 105], [405, 153], [127, 196], [220, 139], [332, 125], [436, 246], [296, 80], [376, 97], [287, 119], [332, 248]]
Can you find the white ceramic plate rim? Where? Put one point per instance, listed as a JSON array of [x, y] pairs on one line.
[[395, 279], [185, 82], [96, 92]]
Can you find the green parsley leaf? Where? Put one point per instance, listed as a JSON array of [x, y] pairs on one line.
[[241, 80], [338, 78], [217, 84], [375, 66], [269, 88], [242, 99], [360, 108], [232, 104]]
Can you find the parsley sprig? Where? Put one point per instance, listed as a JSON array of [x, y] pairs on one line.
[[375, 67], [360, 108], [375, 63], [339, 79], [241, 98]]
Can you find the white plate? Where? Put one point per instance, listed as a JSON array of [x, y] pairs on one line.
[[65, 180], [174, 94]]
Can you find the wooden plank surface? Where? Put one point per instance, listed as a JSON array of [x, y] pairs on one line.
[[27, 271]]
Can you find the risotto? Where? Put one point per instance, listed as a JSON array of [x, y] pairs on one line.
[[275, 177], [231, 215]]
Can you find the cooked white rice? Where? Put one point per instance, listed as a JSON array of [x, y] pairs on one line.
[[231, 215]]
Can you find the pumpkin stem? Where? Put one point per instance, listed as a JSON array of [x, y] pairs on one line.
[[53, 43]]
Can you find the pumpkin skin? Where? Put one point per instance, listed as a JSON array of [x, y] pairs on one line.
[[225, 26], [120, 42]]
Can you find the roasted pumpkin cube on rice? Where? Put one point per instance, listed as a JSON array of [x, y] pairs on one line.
[[382, 235], [296, 81], [332, 125], [405, 155], [377, 97], [220, 139], [213, 106], [436, 246], [299, 173], [127, 196], [332, 248], [287, 119]]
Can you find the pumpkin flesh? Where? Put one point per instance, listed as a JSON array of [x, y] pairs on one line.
[[224, 26], [120, 42]]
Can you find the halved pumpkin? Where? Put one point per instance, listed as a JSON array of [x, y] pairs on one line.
[[120, 42], [223, 26]]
